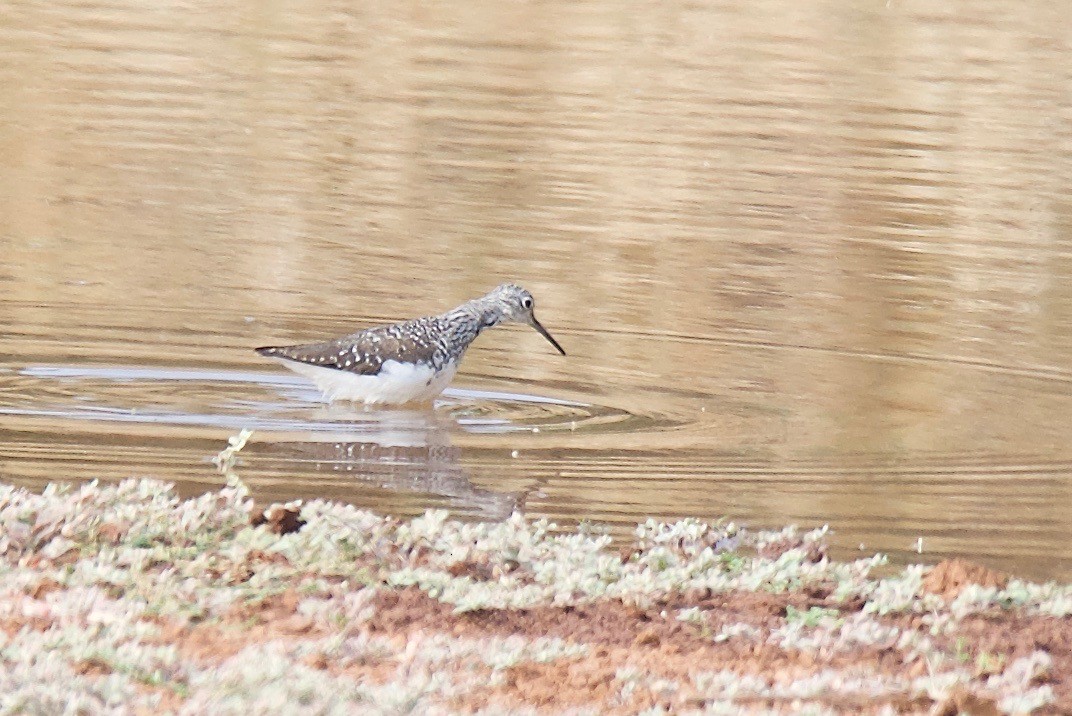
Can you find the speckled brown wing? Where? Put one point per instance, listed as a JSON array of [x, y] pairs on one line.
[[364, 352]]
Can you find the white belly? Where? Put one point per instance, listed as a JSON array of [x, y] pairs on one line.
[[396, 382]]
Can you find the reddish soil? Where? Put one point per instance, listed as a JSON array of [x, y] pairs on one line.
[[650, 640]]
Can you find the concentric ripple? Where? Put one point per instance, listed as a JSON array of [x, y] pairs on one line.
[[268, 402]]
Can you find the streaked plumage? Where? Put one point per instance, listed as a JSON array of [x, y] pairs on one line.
[[408, 361]]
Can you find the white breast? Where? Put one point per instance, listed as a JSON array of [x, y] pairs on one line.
[[396, 382]]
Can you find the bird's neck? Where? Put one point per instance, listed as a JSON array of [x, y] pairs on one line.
[[470, 319], [485, 311]]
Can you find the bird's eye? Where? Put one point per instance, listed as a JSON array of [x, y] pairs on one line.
[[526, 302]]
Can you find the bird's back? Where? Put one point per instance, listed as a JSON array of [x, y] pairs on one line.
[[366, 351]]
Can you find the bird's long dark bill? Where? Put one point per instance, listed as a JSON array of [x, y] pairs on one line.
[[545, 334]]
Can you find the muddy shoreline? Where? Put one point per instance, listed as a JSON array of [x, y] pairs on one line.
[[126, 598]]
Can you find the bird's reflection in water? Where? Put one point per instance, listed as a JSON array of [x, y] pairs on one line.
[[402, 451]]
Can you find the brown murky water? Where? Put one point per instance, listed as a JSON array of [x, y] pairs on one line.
[[811, 261]]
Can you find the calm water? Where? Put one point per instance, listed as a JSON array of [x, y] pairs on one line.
[[811, 262]]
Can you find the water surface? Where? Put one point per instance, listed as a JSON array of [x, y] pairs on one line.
[[810, 262]]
